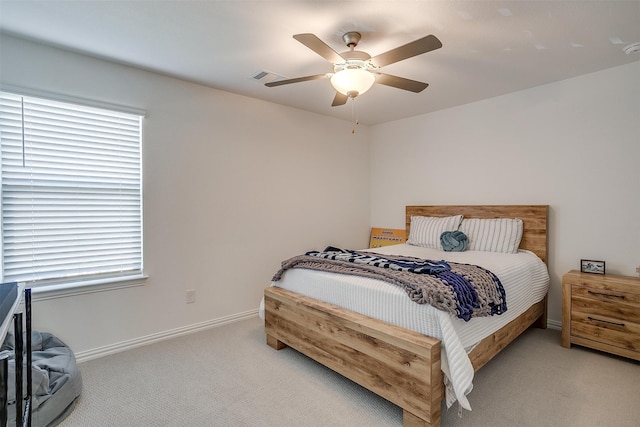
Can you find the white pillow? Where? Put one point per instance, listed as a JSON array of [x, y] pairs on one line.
[[425, 231], [493, 235]]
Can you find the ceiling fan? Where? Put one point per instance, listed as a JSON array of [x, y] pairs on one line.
[[354, 71]]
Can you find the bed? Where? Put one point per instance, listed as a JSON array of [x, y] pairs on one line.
[[399, 364]]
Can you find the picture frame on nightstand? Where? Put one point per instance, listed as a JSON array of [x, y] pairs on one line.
[[591, 266]]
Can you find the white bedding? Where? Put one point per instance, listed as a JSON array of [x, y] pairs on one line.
[[523, 275]]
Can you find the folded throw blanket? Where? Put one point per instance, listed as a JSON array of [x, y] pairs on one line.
[[464, 290], [411, 264]]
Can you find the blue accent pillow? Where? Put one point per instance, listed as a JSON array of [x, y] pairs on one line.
[[454, 241]]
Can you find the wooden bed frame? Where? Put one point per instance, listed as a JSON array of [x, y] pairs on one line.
[[399, 365]]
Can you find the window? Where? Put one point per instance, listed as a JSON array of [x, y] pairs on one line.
[[71, 192]]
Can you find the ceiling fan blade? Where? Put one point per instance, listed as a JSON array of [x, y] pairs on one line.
[[400, 82], [416, 47], [296, 80], [318, 46], [339, 99]]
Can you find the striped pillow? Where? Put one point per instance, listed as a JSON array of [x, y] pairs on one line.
[[425, 231], [493, 235]]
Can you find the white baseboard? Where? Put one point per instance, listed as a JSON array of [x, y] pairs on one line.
[[83, 356], [554, 324]]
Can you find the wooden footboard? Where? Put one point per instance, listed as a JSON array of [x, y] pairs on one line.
[[399, 365]]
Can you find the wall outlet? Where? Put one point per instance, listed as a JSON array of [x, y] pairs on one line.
[[191, 296]]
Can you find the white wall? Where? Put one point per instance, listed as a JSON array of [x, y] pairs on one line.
[[227, 176], [574, 145], [232, 186]]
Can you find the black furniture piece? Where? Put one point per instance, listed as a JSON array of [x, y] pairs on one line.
[[10, 296]]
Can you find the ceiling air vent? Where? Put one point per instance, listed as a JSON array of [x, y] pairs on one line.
[[266, 77]]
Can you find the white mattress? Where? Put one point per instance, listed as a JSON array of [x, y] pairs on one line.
[[523, 275]]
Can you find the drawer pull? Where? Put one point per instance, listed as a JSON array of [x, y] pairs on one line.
[[593, 319], [602, 294]]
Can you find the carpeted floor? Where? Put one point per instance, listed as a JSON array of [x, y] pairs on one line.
[[228, 376]]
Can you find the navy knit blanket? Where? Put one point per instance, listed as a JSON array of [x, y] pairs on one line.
[[464, 290], [413, 265]]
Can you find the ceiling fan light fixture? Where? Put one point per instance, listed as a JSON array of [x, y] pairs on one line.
[[352, 81], [355, 71]]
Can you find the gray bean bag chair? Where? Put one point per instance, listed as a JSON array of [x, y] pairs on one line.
[[56, 380]]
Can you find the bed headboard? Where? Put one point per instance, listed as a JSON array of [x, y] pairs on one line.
[[534, 219]]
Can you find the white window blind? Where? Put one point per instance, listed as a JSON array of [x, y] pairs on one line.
[[71, 191]]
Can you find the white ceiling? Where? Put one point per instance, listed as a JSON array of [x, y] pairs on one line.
[[489, 47]]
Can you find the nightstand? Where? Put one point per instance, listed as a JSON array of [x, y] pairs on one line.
[[601, 311]]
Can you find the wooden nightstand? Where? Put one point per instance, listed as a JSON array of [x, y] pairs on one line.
[[601, 311]]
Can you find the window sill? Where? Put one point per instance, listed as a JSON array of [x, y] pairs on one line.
[[64, 290]]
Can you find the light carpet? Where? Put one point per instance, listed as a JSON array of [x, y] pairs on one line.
[[228, 376]]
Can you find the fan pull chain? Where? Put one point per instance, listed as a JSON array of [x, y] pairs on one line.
[[354, 114]]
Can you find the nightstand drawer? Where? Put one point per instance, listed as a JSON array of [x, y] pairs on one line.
[[607, 330], [606, 302]]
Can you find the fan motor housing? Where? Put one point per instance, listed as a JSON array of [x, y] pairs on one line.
[[352, 64], [356, 54], [354, 59]]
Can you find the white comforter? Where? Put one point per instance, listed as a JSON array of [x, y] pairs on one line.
[[523, 275]]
